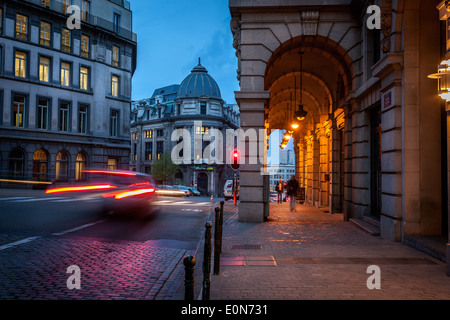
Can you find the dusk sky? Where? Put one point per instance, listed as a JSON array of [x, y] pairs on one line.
[[173, 34]]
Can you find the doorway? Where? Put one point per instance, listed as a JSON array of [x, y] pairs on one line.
[[375, 162], [202, 183]]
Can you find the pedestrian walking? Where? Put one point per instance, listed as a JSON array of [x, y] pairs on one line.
[[292, 187], [279, 188]]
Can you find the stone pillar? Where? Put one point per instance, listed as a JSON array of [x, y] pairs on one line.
[[389, 70], [347, 208], [251, 201], [360, 163]]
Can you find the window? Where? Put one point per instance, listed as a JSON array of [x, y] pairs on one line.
[[21, 27], [65, 40], [84, 78], [148, 133], [65, 5], [85, 46], [65, 74], [83, 119], [42, 114], [62, 166], [64, 116], [44, 69], [135, 136], [1, 21], [202, 130], [114, 121], [115, 86], [160, 133], [19, 111], [159, 149], [148, 150], [45, 34], [16, 164], [116, 56], [203, 108], [112, 164], [80, 166], [45, 3], [116, 22], [20, 64], [85, 10]]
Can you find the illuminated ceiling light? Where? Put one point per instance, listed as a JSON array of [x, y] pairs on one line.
[[443, 77], [300, 113], [295, 125], [287, 136]]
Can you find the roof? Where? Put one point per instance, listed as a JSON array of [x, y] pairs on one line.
[[199, 84]]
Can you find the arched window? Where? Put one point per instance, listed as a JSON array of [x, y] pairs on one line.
[[62, 166], [16, 164], [80, 165], [40, 165]]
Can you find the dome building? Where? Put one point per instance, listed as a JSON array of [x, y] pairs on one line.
[[196, 109]]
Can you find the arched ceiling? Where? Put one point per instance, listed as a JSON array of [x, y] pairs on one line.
[[326, 68]]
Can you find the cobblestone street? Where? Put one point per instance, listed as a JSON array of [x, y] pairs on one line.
[[109, 270]]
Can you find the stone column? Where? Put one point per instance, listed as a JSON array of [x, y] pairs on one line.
[[360, 163], [251, 201]]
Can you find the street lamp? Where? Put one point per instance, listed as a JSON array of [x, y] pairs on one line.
[[443, 77], [300, 113]]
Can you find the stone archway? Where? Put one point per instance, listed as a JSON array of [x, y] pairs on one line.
[[268, 69]]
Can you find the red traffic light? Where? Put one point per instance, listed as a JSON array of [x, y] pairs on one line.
[[235, 164]]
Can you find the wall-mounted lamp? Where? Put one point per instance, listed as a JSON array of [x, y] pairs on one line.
[[443, 77]]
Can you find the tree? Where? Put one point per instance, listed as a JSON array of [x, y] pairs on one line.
[[164, 169]]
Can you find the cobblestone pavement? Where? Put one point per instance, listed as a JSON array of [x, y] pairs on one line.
[[310, 254], [108, 270]]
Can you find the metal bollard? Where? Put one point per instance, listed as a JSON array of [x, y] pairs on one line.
[[216, 242], [221, 226], [189, 266], [207, 262]]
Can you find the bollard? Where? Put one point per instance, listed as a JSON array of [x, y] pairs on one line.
[[189, 266], [221, 226], [207, 262], [216, 243]]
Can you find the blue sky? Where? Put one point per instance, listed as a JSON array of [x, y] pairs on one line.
[[173, 34]]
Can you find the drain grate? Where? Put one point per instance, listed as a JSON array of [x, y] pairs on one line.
[[246, 247]]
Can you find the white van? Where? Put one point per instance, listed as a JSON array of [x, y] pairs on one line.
[[228, 190]]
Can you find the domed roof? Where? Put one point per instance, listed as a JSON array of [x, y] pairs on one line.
[[199, 83]]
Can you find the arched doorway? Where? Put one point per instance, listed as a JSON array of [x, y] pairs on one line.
[[62, 166], [80, 166], [40, 165], [202, 183]]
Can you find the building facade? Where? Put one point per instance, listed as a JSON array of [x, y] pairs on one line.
[[374, 141], [195, 108], [65, 92]]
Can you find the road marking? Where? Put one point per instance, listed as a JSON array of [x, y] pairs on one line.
[[36, 199], [16, 243], [23, 241], [14, 198], [78, 228]]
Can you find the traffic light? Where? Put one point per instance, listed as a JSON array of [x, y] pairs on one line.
[[235, 163]]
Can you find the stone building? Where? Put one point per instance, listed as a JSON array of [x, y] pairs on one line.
[[373, 145], [196, 109], [65, 92]]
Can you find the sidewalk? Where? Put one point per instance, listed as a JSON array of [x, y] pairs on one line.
[[314, 255]]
